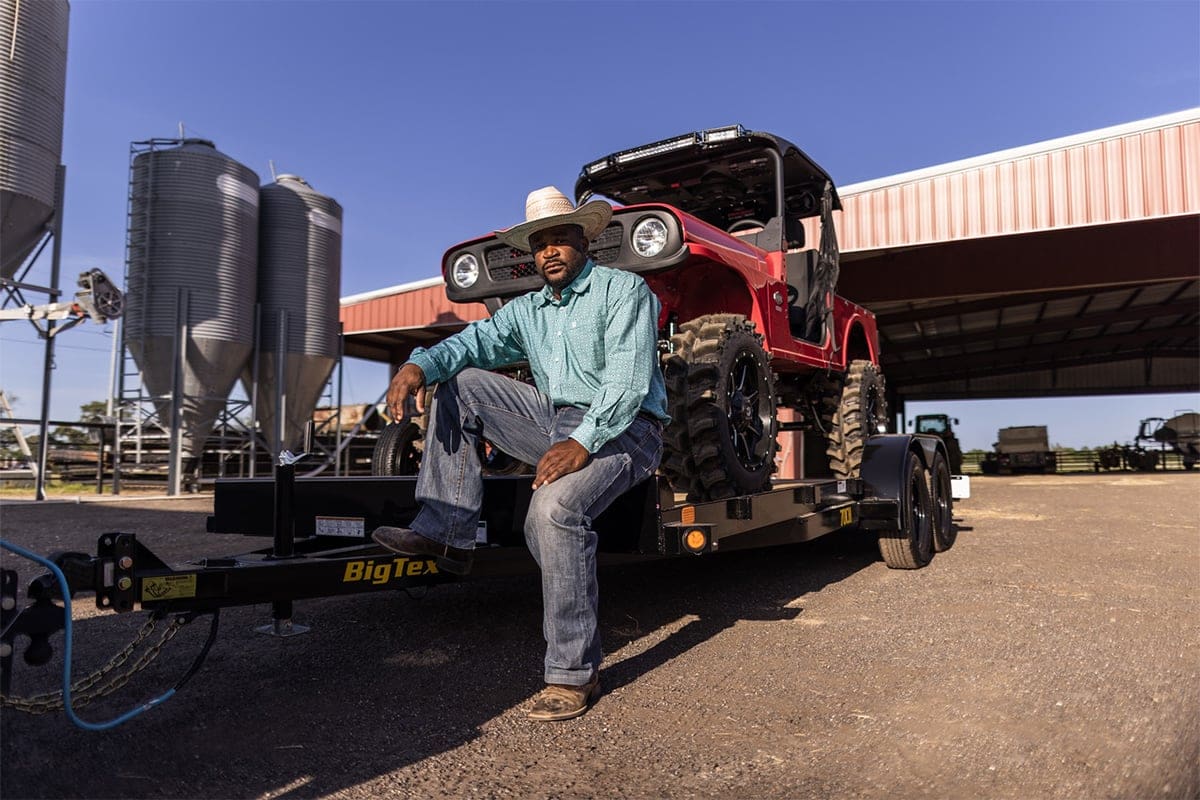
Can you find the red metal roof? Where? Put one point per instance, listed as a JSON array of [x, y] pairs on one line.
[[1130, 172], [415, 305]]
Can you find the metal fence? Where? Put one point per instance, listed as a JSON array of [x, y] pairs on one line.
[[1078, 461]]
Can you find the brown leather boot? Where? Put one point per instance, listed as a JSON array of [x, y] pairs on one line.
[[411, 543], [559, 701]]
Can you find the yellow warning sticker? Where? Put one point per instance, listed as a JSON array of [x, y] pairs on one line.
[[169, 587]]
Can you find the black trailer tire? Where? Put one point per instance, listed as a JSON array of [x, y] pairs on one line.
[[398, 449], [722, 438], [911, 545], [860, 412], [942, 504]]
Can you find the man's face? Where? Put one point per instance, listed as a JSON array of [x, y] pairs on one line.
[[559, 254]]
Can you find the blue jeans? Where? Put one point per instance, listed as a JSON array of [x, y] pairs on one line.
[[523, 423]]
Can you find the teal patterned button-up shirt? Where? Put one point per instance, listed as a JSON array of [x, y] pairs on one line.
[[595, 349]]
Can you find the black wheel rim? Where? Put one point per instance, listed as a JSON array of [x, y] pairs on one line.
[[941, 497], [748, 410], [408, 455], [916, 508]]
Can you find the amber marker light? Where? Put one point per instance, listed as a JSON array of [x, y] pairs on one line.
[[695, 540]]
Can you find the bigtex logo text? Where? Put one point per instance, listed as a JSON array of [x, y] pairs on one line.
[[385, 571]]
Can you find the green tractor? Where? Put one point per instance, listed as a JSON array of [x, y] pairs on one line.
[[939, 425]]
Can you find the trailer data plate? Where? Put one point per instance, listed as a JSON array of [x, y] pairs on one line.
[[348, 527]]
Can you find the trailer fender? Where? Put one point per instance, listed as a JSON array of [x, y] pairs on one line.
[[927, 446], [885, 458], [897, 500]]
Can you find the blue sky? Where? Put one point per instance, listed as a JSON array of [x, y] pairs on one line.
[[429, 122]]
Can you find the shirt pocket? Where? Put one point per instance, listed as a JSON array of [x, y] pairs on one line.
[[585, 350]]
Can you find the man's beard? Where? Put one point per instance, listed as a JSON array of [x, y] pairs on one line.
[[569, 274]]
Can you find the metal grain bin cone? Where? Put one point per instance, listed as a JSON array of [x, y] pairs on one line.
[[32, 90], [192, 270], [299, 283]]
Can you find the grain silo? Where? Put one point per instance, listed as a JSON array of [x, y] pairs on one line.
[[299, 283], [190, 281], [32, 88]]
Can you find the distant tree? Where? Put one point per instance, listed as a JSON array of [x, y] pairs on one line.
[[8, 443], [93, 411]]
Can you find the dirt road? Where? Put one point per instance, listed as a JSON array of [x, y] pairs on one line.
[[1053, 653]]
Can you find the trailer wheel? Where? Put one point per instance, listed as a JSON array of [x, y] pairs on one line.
[[861, 411], [911, 545], [398, 449], [942, 504], [721, 441]]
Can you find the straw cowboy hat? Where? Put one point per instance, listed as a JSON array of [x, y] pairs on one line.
[[548, 208]]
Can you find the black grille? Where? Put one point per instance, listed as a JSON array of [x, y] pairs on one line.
[[508, 264], [607, 247]]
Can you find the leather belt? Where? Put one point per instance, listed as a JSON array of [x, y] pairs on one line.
[[642, 414]]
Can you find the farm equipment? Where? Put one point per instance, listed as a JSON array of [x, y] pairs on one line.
[[715, 223], [1156, 437], [939, 425], [1179, 434], [1024, 448]]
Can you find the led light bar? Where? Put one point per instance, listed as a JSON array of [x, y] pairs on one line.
[[713, 135], [657, 149], [596, 166]]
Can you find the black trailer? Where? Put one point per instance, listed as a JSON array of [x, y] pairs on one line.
[[320, 538]]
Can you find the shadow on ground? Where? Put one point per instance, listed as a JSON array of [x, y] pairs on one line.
[[381, 682]]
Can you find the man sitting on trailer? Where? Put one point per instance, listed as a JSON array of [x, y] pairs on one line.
[[593, 426]]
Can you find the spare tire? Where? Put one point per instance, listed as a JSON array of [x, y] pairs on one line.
[[398, 449]]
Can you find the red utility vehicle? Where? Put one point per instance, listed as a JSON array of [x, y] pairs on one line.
[[713, 221]]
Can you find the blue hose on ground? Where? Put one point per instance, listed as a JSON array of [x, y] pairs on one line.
[[66, 595]]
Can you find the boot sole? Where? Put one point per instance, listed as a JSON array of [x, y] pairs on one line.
[[448, 564], [454, 566]]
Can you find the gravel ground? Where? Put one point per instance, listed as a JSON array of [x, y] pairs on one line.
[[1053, 653]]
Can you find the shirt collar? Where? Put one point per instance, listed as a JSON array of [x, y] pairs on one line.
[[578, 286]]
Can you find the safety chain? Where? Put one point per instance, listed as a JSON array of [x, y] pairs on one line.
[[103, 681]]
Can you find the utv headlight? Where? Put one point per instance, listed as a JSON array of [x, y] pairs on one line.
[[465, 271], [649, 237]]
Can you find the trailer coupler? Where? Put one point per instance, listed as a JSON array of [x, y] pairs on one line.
[[44, 617]]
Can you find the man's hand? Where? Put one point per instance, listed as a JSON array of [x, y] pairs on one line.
[[407, 381], [561, 459]]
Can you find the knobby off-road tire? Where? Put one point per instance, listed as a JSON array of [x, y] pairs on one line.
[[911, 545], [721, 392], [861, 410], [942, 505], [398, 449]]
